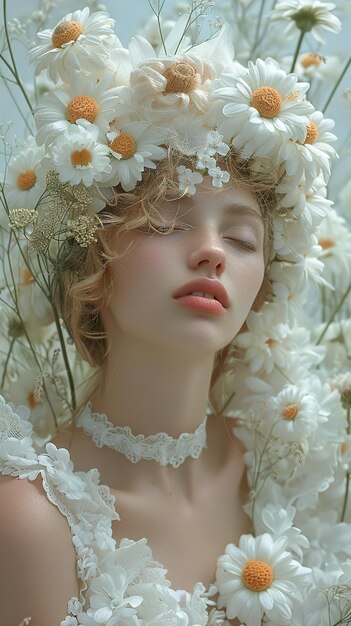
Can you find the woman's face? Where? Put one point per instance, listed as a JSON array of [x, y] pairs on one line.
[[217, 236]]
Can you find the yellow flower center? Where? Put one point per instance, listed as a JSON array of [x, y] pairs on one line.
[[65, 32], [181, 77], [26, 180], [326, 243], [267, 101], [290, 412], [27, 277], [84, 107], [311, 59], [312, 133], [124, 144], [257, 575], [81, 157], [343, 448], [271, 342], [31, 401]]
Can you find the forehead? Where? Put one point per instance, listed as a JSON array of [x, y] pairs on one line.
[[231, 198]]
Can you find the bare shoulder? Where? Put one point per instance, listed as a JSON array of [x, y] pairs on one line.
[[38, 563]]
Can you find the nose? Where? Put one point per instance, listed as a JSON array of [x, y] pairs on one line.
[[208, 253]]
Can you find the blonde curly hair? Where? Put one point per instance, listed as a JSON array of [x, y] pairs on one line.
[[85, 283]]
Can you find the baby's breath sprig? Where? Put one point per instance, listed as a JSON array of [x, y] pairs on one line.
[[338, 599], [19, 327], [197, 9], [269, 450], [21, 218]]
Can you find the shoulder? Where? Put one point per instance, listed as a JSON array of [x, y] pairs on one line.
[[38, 564]]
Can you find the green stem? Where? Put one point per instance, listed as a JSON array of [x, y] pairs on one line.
[[15, 301], [227, 403], [335, 312], [14, 68], [65, 358], [59, 332], [347, 486], [346, 497], [337, 85], [298, 47], [7, 362], [18, 107], [258, 26]]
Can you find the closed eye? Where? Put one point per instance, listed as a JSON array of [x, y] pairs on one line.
[[169, 228], [246, 245]]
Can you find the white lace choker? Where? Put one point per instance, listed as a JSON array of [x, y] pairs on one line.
[[160, 447]]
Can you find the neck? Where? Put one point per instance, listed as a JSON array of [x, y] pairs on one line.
[[152, 389]]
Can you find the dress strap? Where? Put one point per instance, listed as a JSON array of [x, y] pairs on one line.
[[86, 504]]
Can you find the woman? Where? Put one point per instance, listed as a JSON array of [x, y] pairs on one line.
[[155, 292]]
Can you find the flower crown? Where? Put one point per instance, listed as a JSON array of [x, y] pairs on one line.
[[112, 114]]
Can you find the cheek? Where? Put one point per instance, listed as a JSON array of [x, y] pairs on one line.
[[142, 271], [250, 274]]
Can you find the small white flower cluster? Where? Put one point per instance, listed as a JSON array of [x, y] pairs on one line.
[[117, 118]]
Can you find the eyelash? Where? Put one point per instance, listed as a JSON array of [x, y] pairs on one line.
[[243, 244], [167, 229], [246, 245]]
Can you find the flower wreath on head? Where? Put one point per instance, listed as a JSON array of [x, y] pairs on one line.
[[112, 116]]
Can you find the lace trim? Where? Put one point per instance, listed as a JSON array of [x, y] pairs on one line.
[[161, 448]]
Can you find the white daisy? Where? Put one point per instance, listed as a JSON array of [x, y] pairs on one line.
[[259, 578], [83, 98], [292, 241], [294, 412], [309, 204], [323, 69], [279, 522], [269, 342], [34, 306], [312, 156], [288, 283], [133, 147], [308, 16], [265, 341], [342, 382], [24, 391], [166, 87], [77, 156], [263, 102], [25, 180], [80, 41], [334, 237], [317, 205]]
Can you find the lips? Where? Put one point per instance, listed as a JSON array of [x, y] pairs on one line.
[[205, 285]]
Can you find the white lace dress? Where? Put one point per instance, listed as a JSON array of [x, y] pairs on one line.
[[119, 585]]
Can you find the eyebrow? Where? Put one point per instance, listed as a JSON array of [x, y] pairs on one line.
[[243, 209]]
